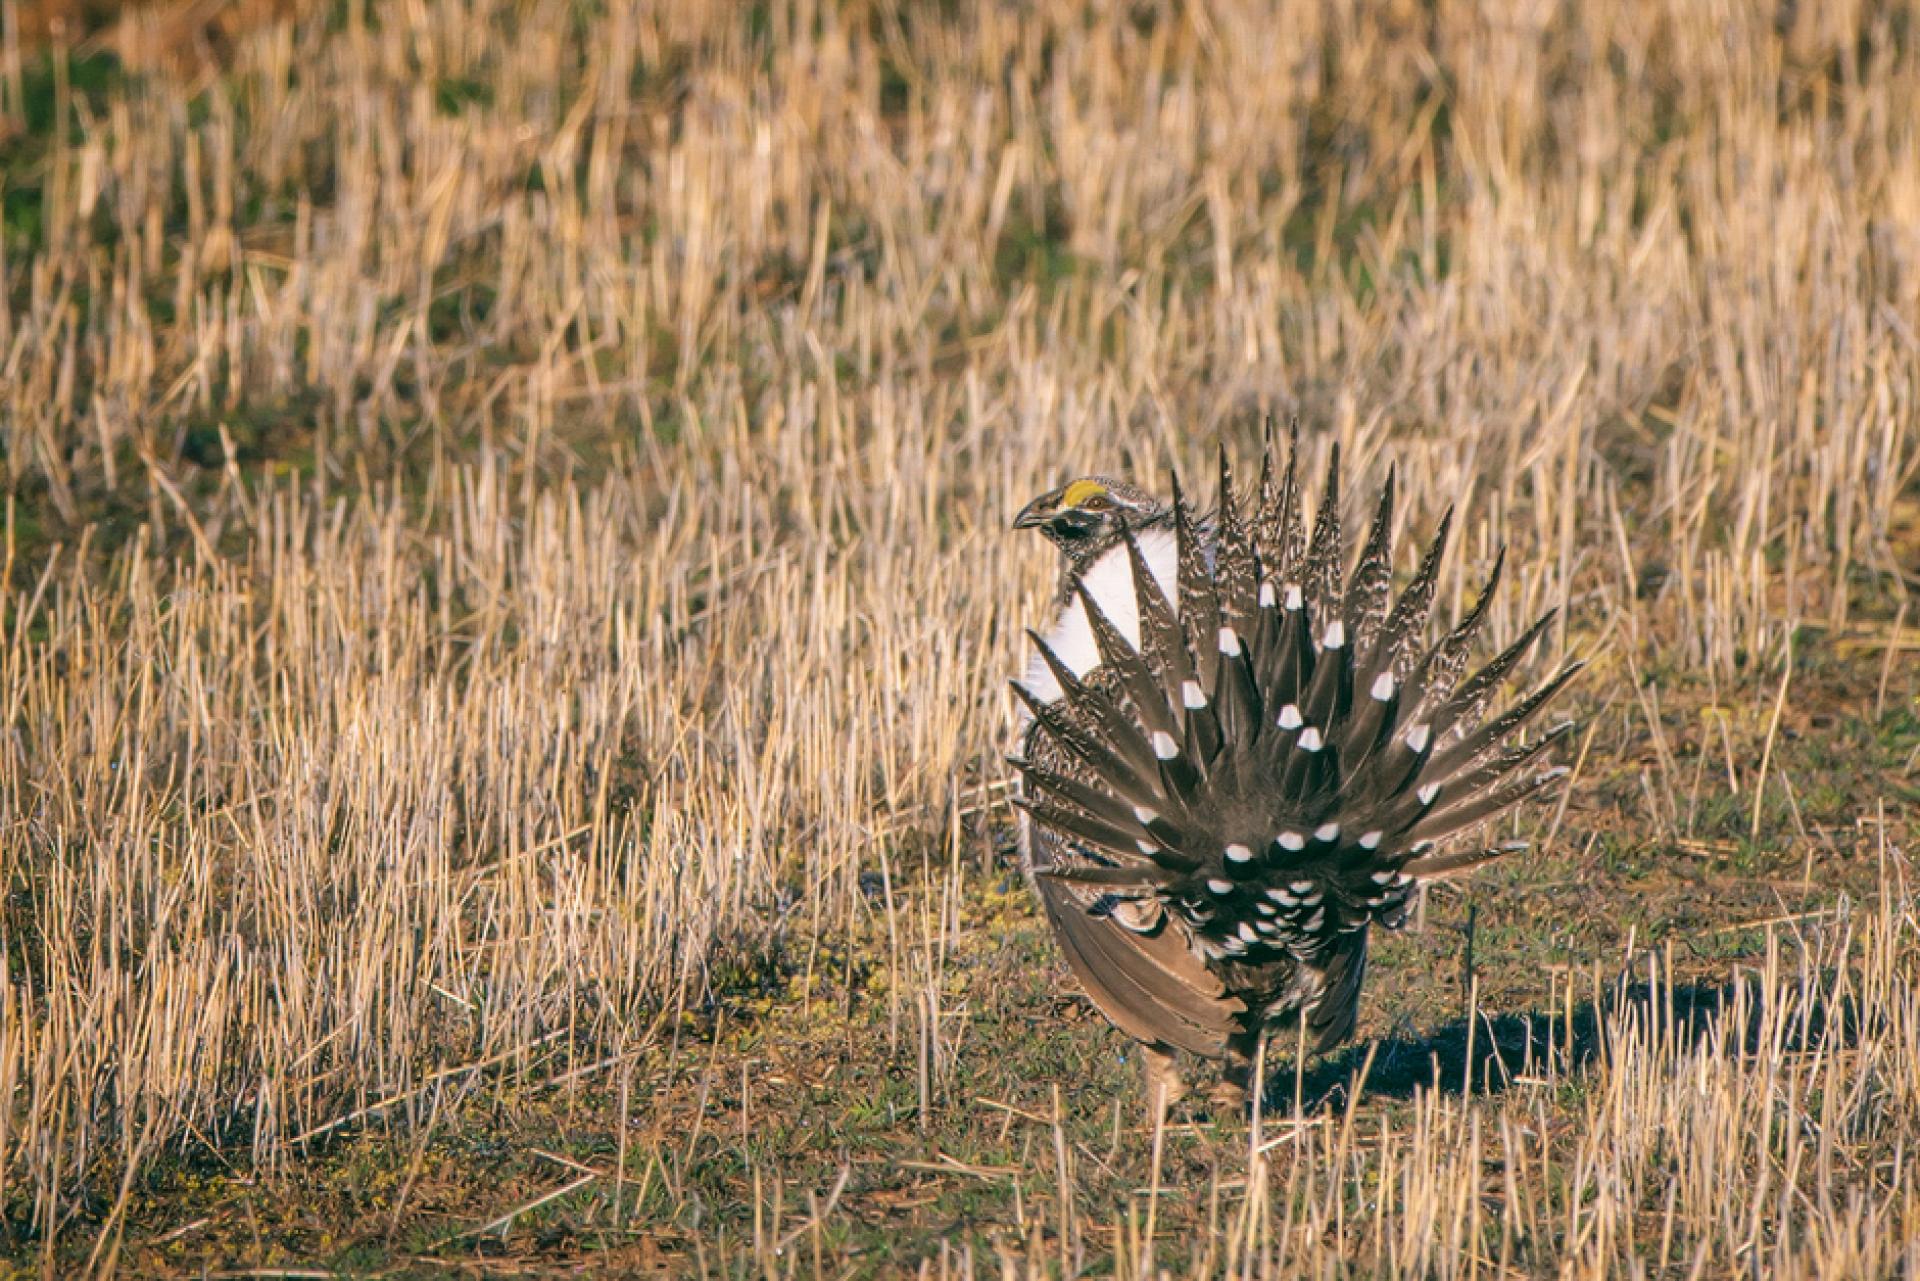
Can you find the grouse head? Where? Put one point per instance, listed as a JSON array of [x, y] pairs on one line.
[[1085, 517]]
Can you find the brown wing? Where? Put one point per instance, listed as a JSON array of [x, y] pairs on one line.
[[1135, 959], [1149, 984]]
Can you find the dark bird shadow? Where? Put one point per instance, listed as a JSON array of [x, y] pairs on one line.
[[1490, 1053]]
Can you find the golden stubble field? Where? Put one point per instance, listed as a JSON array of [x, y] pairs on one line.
[[507, 597]]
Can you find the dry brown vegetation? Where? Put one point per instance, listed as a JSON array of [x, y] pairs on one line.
[[507, 595]]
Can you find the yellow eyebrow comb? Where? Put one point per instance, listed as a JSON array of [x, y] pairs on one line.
[[1080, 491]]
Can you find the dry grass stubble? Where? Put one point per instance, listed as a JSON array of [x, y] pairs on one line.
[[505, 553]]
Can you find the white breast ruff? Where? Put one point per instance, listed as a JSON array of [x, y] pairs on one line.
[[1110, 582]]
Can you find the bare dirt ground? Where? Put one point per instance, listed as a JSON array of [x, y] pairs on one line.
[[507, 597]]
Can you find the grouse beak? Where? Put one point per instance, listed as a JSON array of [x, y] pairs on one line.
[[1039, 511]]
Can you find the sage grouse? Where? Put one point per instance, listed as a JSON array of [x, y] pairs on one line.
[[1234, 764]]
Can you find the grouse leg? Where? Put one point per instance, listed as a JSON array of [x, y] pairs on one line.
[[1165, 1087]]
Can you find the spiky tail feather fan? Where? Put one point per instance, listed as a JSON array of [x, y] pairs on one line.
[[1277, 759]]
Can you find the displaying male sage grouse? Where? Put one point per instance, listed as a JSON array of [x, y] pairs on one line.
[[1236, 763]]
